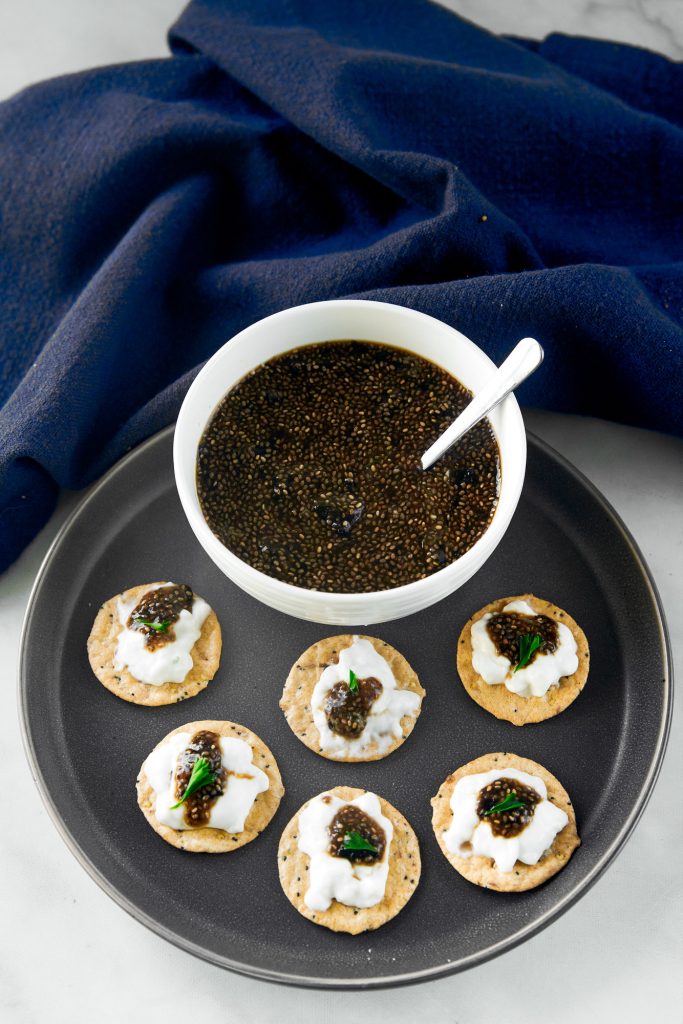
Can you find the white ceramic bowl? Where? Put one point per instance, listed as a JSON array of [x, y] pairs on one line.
[[333, 321]]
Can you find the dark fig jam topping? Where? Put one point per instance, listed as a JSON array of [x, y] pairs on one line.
[[351, 828], [309, 469], [197, 807], [506, 628], [347, 710], [157, 610], [513, 820]]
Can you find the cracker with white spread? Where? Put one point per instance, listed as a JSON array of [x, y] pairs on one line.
[[515, 707], [483, 870], [391, 717], [215, 840], [103, 644], [404, 867]]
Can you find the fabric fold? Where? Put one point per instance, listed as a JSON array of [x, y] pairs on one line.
[[298, 151]]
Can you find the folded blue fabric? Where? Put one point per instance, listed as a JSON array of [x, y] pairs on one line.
[[295, 150]]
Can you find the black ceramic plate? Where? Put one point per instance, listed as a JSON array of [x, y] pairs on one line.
[[85, 746]]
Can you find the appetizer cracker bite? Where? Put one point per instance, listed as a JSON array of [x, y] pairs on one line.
[[352, 698], [523, 659], [348, 860], [209, 787], [504, 822], [155, 644]]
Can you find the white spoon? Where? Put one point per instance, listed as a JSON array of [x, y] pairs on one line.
[[525, 357]]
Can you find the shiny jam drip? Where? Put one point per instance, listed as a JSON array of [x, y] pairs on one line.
[[352, 819], [507, 823], [162, 607], [506, 628], [347, 710], [198, 805]]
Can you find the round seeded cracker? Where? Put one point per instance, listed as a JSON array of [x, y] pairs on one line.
[[501, 702], [482, 870], [103, 640], [216, 840], [402, 880], [304, 675]]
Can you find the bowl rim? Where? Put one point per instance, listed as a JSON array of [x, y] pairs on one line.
[[220, 553]]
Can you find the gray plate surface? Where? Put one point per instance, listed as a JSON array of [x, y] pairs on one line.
[[85, 746]]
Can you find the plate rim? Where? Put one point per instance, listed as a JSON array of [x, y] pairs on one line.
[[383, 981]]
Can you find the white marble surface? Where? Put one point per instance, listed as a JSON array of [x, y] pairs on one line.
[[67, 953]]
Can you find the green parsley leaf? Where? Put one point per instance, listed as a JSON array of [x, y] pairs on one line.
[[353, 681], [202, 775], [158, 627], [510, 803], [528, 645], [355, 841]]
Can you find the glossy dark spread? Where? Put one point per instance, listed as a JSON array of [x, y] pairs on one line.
[[347, 709], [507, 823], [352, 819], [309, 469], [197, 807], [506, 628], [157, 610]]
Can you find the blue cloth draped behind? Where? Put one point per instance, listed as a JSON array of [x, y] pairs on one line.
[[293, 150]]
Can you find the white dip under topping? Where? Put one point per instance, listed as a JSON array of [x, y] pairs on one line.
[[245, 781], [467, 828], [535, 679], [168, 663], [336, 878], [384, 720]]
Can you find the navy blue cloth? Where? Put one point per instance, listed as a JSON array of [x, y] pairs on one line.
[[295, 150]]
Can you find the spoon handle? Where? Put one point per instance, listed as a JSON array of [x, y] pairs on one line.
[[522, 361]]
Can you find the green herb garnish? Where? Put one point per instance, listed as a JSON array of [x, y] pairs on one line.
[[510, 803], [528, 644], [158, 627], [202, 775], [355, 841], [353, 683]]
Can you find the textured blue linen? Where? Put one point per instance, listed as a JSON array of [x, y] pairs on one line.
[[295, 150]]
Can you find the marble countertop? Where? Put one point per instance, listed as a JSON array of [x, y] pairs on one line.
[[68, 953]]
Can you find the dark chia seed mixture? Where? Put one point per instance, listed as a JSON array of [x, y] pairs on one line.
[[160, 606], [198, 805], [506, 628], [507, 823], [309, 469], [352, 819], [347, 710]]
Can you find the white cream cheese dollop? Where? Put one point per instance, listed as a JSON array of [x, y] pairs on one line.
[[384, 720], [168, 663], [231, 809], [469, 836], [336, 878], [535, 679]]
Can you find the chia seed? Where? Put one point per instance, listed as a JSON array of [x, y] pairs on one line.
[[507, 823], [163, 607], [506, 629], [347, 710], [197, 807], [352, 819], [309, 469]]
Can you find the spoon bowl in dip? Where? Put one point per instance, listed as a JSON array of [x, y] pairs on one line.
[[526, 356]]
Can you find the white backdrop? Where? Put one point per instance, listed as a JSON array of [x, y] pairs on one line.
[[67, 953]]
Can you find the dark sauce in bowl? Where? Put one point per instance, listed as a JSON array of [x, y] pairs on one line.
[[309, 469]]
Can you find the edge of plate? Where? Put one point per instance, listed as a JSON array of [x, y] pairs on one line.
[[304, 981]]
